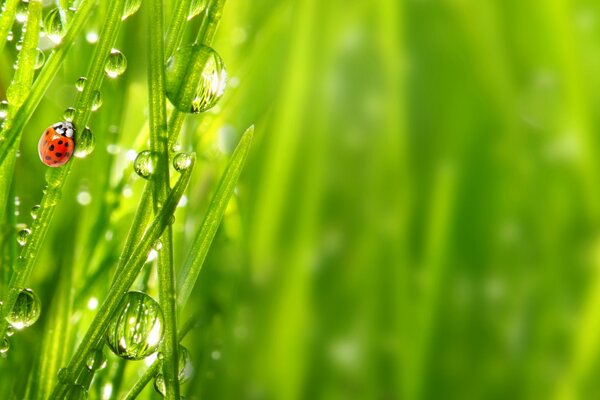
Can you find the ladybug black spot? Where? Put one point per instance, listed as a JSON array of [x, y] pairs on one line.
[[47, 157], [67, 144], [60, 142], [51, 147], [58, 154]]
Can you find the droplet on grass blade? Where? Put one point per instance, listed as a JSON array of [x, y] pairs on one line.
[[137, 327], [55, 26], [34, 211], [85, 143], [195, 78], [186, 370], [182, 162], [131, 7], [40, 59], [4, 345], [116, 64], [21, 12], [26, 310], [96, 100], [80, 84], [196, 7], [96, 360], [3, 109], [22, 236], [144, 164], [69, 114]]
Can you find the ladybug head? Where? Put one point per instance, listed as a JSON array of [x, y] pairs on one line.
[[65, 128]]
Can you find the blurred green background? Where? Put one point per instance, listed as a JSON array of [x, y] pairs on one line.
[[419, 216]]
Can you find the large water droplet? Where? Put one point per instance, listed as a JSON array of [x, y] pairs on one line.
[[21, 13], [196, 7], [116, 64], [85, 143], [69, 114], [26, 310], [22, 236], [182, 161], [196, 78], [137, 328], [4, 345], [185, 371], [3, 109], [34, 211], [55, 26], [80, 84], [40, 59], [144, 164], [96, 360], [96, 100], [131, 7], [76, 392]]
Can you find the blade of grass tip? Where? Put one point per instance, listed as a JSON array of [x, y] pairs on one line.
[[195, 257], [154, 368], [123, 282], [159, 146], [7, 17], [8, 138]]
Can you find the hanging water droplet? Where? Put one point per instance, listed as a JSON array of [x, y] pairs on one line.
[[22, 236], [144, 164], [185, 371], [137, 327], [195, 78], [80, 84], [131, 7], [76, 392], [96, 100], [96, 360], [21, 13], [69, 114], [4, 345], [182, 162], [159, 384], [3, 109], [196, 7], [10, 331], [40, 59], [55, 26], [26, 310], [85, 143], [116, 64], [34, 211]]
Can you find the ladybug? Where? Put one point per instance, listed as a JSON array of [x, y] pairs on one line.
[[56, 144]]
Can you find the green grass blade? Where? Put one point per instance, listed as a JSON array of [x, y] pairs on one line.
[[7, 16]]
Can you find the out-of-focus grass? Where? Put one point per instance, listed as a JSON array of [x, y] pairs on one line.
[[418, 216]]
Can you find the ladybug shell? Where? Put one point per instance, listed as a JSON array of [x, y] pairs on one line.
[[55, 149]]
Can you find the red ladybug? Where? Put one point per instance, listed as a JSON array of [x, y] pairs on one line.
[[56, 144]]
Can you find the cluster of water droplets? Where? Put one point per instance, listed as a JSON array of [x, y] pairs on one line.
[[137, 328]]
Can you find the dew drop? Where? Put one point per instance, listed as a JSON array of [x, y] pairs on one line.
[[76, 392], [116, 64], [69, 114], [80, 84], [4, 345], [185, 371], [96, 360], [137, 327], [21, 12], [10, 36], [10, 331], [26, 310], [34, 211], [131, 7], [96, 100], [196, 7], [144, 164], [182, 162], [55, 26], [85, 144], [158, 245], [40, 59], [22, 236], [195, 78], [3, 109]]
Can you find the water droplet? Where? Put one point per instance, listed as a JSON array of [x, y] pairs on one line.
[[69, 114], [21, 14], [116, 64], [96, 360], [10, 36], [196, 7], [55, 26], [195, 78], [3, 109], [26, 310], [185, 371], [182, 162], [96, 100], [158, 245], [85, 143], [40, 59], [84, 198], [137, 328], [131, 7], [34, 211], [144, 164], [159, 385], [76, 392], [10, 331], [22, 236], [80, 84], [4, 345]]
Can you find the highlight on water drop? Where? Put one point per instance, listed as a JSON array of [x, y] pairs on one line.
[[3, 109], [22, 236], [85, 143], [131, 7], [4, 345], [195, 78], [144, 164], [80, 83], [182, 162], [55, 25], [196, 7], [26, 310], [116, 64], [96, 100], [40, 59], [137, 328], [69, 114], [34, 211], [96, 360]]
